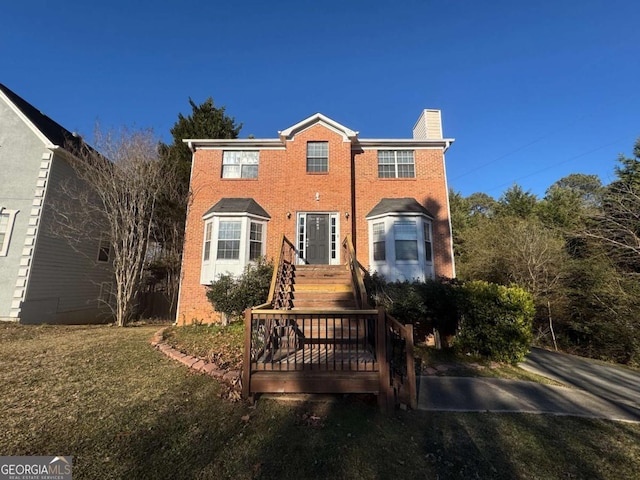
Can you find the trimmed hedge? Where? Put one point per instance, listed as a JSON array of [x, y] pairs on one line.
[[489, 320]]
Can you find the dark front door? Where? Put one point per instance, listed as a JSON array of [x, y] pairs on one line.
[[317, 238]]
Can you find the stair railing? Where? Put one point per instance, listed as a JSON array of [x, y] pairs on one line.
[[356, 270], [280, 291]]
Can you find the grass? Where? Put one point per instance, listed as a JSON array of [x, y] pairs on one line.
[[124, 410]]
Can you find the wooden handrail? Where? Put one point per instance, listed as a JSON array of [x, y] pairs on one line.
[[356, 275], [287, 249]]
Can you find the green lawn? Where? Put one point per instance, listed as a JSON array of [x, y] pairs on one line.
[[124, 410]]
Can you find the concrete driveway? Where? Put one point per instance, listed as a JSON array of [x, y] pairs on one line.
[[613, 398]]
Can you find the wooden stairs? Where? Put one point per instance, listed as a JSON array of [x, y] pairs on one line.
[[317, 333], [322, 287]]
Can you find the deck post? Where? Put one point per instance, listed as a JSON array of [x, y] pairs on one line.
[[384, 401], [246, 367]]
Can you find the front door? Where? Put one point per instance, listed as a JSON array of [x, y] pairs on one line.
[[317, 243]]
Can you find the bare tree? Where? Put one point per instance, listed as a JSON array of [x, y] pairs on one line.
[[617, 225], [113, 202]]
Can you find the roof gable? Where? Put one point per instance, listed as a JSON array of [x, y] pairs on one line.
[[237, 205], [398, 205], [49, 130], [347, 134]]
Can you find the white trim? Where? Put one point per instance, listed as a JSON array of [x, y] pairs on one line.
[[210, 269], [48, 143], [234, 144], [403, 143], [392, 268], [4, 246], [399, 214], [332, 215], [446, 189], [347, 134]]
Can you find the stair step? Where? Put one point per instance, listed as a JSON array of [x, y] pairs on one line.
[[322, 287], [316, 303]]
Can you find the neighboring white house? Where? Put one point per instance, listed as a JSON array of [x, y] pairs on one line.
[[43, 279]]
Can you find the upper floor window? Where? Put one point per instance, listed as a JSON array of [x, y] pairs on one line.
[[240, 164], [396, 164], [317, 157]]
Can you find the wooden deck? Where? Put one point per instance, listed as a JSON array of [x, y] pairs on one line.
[[318, 357]]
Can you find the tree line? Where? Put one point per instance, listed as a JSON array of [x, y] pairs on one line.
[[576, 250]]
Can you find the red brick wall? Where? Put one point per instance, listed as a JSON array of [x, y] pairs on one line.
[[284, 186], [428, 188]]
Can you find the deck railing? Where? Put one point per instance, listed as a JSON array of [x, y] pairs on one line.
[[312, 340]]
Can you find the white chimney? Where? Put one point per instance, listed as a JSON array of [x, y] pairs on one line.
[[428, 126]]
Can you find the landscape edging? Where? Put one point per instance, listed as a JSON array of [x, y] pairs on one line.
[[193, 363]]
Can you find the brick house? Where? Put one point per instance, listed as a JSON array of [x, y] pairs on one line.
[[316, 183]]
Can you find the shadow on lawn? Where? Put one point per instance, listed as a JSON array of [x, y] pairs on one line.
[[204, 437], [194, 434]]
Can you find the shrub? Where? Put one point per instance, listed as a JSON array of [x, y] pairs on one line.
[[426, 305], [496, 321], [233, 295]]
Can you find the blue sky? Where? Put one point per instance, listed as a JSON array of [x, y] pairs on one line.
[[531, 91]]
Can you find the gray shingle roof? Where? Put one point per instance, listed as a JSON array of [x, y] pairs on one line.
[[238, 205], [56, 133], [398, 205]]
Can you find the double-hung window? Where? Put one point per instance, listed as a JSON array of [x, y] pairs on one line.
[[317, 157], [379, 244], [428, 255], [255, 240], [240, 164], [6, 226], [229, 240], [396, 164], [406, 237], [208, 229]]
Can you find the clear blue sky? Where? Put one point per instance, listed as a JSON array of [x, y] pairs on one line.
[[531, 91]]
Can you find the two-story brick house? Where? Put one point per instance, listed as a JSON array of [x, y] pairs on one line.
[[316, 183]]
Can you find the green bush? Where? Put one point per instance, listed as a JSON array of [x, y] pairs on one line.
[[427, 305], [495, 321], [233, 295]]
